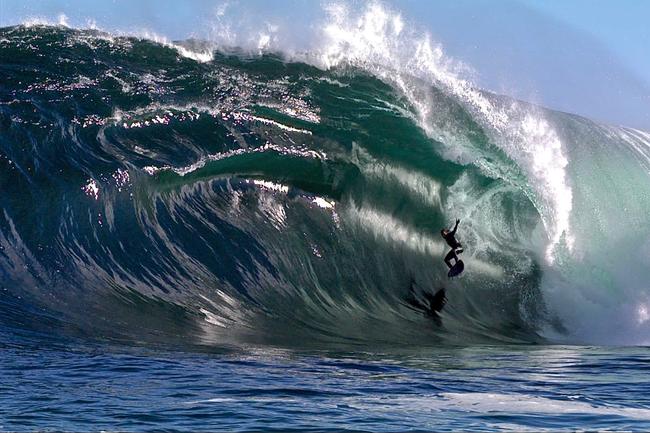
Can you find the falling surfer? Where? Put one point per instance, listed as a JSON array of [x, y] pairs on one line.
[[456, 248], [432, 304]]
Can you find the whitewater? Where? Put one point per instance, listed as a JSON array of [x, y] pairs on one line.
[[245, 209]]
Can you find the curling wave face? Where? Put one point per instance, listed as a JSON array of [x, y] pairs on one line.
[[150, 196]]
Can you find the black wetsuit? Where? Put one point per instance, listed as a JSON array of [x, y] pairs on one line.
[[456, 247]]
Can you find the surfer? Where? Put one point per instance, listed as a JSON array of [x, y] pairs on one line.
[[456, 247]]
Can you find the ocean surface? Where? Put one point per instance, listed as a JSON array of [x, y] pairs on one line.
[[200, 238]]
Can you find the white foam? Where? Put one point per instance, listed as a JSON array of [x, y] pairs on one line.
[[62, 20], [322, 203], [121, 178], [203, 56], [375, 39], [471, 402], [37, 21], [151, 170], [272, 186], [282, 126], [91, 189], [517, 403], [185, 170]]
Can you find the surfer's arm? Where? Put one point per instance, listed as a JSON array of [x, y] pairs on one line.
[[453, 232]]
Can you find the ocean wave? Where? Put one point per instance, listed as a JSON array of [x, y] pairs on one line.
[[153, 195]]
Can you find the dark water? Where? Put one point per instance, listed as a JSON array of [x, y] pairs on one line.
[[248, 243]]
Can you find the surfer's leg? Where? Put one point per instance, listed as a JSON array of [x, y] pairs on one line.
[[450, 255]]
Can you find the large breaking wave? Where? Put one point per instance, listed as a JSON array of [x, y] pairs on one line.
[[172, 192]]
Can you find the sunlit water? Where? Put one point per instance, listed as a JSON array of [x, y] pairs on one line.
[[100, 387]]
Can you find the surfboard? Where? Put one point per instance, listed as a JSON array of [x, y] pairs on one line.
[[457, 269]]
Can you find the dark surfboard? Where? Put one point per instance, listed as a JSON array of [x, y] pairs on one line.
[[457, 269]]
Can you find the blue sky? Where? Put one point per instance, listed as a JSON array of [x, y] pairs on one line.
[[590, 57]]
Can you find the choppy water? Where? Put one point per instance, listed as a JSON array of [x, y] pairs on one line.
[[477, 388], [197, 240]]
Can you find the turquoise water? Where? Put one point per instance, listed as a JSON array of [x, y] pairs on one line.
[[194, 239]]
